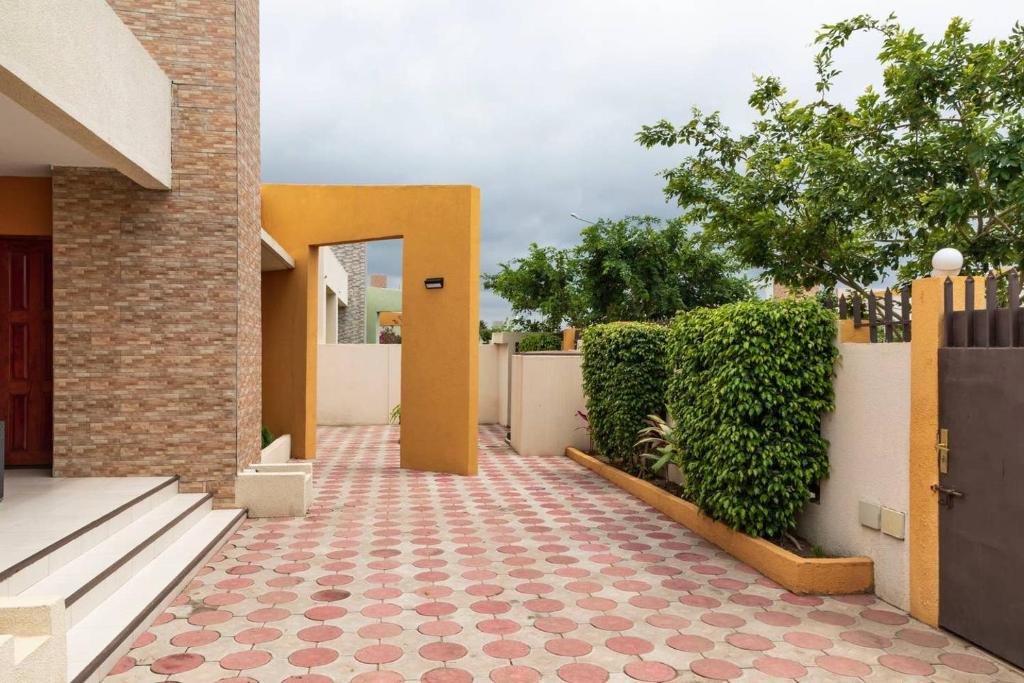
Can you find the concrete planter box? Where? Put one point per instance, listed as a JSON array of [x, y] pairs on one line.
[[797, 574], [276, 486], [276, 489], [279, 450]]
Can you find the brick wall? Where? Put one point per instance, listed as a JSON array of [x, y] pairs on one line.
[[352, 318], [156, 294]]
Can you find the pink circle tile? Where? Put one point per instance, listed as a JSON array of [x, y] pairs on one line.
[[885, 617], [378, 654], [124, 665], [506, 649], [843, 666], [807, 641], [607, 622], [655, 672], [629, 645], [667, 621], [582, 673], [905, 664], [515, 674], [556, 624], [192, 638], [257, 636], [319, 634], [209, 618], [246, 659], [380, 631], [447, 675], [378, 677], [779, 667], [568, 647], [968, 663], [177, 663], [690, 643], [749, 641], [715, 668], [442, 651], [866, 639], [922, 638], [776, 618]]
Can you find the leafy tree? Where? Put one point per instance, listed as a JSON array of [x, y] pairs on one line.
[[485, 333], [821, 192], [637, 268]]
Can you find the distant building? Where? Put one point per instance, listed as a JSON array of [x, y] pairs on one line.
[[382, 303], [352, 318]]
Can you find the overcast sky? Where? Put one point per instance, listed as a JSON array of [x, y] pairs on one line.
[[535, 101]]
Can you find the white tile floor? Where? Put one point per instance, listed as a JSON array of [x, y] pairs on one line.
[[38, 510]]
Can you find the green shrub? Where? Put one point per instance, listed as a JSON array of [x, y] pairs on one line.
[[625, 371], [750, 383], [266, 437], [540, 341]]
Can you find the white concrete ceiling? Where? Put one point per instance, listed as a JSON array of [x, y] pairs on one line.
[[272, 255], [29, 147]]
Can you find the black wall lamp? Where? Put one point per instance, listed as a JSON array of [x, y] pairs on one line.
[[434, 283]]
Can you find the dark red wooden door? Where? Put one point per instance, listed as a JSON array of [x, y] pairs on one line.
[[26, 349]]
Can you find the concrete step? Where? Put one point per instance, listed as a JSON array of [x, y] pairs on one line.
[[89, 579], [72, 540], [103, 633]]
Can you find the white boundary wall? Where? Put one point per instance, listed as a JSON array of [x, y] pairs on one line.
[[547, 390], [869, 436], [359, 384]]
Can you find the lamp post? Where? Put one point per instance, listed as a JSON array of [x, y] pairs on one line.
[[582, 220], [947, 263]]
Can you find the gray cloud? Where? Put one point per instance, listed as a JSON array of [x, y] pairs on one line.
[[536, 102]]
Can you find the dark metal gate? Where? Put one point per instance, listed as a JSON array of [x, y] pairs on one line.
[[981, 471]]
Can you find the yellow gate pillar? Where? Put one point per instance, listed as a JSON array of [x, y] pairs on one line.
[[928, 334], [440, 228]]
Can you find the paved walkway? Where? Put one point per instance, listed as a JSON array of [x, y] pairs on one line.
[[535, 570]]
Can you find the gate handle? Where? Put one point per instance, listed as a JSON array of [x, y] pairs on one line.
[[946, 494]]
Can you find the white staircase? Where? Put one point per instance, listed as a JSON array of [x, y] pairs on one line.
[[115, 574]]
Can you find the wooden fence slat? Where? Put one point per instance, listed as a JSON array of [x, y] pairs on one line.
[[888, 316], [947, 304], [969, 310], [1013, 292], [872, 317], [843, 312], [905, 311], [856, 310], [991, 301]]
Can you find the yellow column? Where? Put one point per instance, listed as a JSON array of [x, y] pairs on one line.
[[928, 336], [569, 339], [851, 334]]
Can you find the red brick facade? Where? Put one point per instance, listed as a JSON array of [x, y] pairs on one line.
[[156, 293]]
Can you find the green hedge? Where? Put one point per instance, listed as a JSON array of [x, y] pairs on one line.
[[540, 341], [625, 372], [750, 383]]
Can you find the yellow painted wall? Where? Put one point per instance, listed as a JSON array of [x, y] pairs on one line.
[[923, 522], [440, 226], [851, 334], [26, 206]]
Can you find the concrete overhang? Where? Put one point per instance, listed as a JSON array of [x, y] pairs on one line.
[[272, 255], [77, 88]]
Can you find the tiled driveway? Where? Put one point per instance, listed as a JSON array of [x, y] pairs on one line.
[[535, 570]]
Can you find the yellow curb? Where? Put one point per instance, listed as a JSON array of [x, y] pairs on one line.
[[801, 575]]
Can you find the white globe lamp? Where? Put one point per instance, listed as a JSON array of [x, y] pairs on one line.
[[947, 263]]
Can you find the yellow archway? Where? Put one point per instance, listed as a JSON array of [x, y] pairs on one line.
[[440, 228]]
